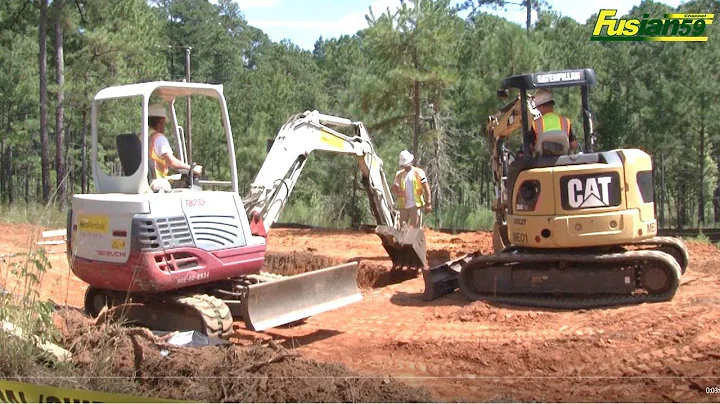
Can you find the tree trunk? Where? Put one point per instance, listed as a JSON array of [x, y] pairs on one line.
[[716, 204], [8, 160], [84, 188], [662, 194], [27, 184], [69, 166], [3, 170], [60, 109], [42, 59], [416, 117], [701, 196], [528, 19]]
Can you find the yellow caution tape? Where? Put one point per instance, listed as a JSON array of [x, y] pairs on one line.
[[17, 392]]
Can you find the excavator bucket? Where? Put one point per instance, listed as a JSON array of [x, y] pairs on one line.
[[286, 300], [443, 279], [406, 247]]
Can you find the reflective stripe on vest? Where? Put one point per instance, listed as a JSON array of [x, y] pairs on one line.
[[551, 122], [161, 168], [417, 185]]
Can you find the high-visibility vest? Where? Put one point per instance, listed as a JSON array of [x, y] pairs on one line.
[[417, 187], [161, 168], [551, 122]]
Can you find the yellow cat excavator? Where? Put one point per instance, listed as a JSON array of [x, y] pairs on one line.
[[572, 230]]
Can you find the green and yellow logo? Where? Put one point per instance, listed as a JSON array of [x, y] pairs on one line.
[[671, 28], [93, 224]]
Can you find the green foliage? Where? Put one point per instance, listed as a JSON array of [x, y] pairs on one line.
[[420, 70], [463, 217], [33, 213]]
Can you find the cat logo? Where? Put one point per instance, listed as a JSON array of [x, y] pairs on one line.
[[596, 192], [591, 191]]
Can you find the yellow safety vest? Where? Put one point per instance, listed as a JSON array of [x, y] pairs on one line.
[[161, 168], [551, 122], [417, 186]]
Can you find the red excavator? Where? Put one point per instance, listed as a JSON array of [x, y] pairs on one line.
[[188, 255]]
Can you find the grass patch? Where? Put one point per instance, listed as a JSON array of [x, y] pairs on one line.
[[320, 214], [462, 217], [700, 238], [35, 214]]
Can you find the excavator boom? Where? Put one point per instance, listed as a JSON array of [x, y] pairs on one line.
[[301, 135]]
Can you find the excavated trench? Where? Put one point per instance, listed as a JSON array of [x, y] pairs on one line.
[[372, 273]]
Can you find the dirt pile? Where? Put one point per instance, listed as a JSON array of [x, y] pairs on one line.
[[482, 312], [255, 373]]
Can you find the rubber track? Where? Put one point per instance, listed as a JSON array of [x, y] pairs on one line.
[[215, 314], [566, 302], [671, 242]]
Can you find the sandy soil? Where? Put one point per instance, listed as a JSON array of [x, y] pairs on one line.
[[473, 351]]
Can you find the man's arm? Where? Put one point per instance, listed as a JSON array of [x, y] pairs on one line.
[[426, 189], [173, 162], [573, 140]]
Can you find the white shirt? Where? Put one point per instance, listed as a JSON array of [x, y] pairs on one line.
[[162, 145], [409, 198]]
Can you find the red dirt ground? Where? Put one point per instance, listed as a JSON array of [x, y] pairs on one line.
[[463, 351]]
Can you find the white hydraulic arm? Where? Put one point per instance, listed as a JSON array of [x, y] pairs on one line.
[[302, 134]]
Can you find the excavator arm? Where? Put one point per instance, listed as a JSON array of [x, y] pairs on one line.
[[500, 126], [301, 135]]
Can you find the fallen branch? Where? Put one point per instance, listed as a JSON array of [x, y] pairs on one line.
[[106, 312], [276, 358], [138, 357]]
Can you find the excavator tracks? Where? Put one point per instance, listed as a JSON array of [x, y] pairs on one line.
[[594, 279], [655, 273], [199, 312], [215, 314], [673, 246]]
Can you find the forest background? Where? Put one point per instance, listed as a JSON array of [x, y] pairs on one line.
[[420, 77]]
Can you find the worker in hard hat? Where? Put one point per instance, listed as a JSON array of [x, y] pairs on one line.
[[550, 121], [412, 190], [160, 153]]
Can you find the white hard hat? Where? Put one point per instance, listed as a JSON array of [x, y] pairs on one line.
[[543, 96], [157, 110], [405, 158]]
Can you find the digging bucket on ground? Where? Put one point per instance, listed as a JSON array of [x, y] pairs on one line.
[[286, 300], [443, 279], [406, 247]]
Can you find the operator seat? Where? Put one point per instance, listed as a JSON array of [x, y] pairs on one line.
[[553, 143], [129, 148]]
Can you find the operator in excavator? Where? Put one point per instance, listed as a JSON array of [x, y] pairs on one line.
[[161, 154], [550, 122], [412, 190]]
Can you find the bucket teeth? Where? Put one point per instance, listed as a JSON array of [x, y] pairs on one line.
[[443, 279], [406, 247]]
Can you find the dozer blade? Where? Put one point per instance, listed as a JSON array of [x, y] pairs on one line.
[[406, 247], [443, 279], [283, 301]]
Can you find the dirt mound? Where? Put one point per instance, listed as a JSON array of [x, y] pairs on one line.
[[371, 274], [297, 262], [483, 312], [255, 373]]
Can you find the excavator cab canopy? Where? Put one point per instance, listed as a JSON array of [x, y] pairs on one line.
[[583, 78]]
